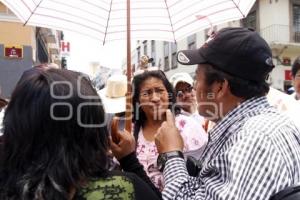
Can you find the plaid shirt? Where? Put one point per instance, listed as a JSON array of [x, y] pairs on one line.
[[252, 153]]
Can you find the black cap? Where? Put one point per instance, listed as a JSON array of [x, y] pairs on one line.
[[240, 52]]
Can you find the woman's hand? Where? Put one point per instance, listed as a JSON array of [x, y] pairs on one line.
[[122, 143]]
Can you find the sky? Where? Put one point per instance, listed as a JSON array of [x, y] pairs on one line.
[[84, 50]]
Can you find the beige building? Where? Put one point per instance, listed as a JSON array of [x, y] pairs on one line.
[[21, 47], [278, 22]]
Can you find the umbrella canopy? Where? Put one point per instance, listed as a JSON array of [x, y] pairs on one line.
[[105, 20]]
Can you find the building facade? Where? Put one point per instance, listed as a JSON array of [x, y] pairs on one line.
[[21, 47], [278, 22]]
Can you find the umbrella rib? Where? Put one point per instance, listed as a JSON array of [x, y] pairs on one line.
[[67, 29], [238, 8], [170, 21], [32, 12], [198, 11], [210, 14], [107, 22], [76, 8], [174, 3]]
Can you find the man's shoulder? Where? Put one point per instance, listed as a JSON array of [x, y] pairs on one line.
[[267, 129], [267, 116], [270, 123]]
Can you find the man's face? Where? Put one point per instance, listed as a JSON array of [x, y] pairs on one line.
[[185, 96], [207, 105], [296, 83]]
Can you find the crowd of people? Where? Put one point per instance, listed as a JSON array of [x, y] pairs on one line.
[[67, 141]]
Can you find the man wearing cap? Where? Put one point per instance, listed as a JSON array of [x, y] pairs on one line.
[[253, 151]]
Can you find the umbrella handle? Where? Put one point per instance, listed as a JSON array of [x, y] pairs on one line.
[[128, 112]]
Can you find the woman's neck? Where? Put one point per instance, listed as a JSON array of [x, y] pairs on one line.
[[153, 122], [150, 128]]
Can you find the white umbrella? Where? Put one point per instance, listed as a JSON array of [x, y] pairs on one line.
[[106, 20]]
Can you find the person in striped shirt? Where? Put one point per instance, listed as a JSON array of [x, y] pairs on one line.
[[253, 151]]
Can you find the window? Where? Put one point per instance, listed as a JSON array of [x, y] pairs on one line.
[[153, 55], [138, 54], [174, 52], [250, 20], [173, 47], [191, 40], [166, 56], [145, 47], [206, 34], [166, 49], [296, 22], [42, 53], [166, 61]]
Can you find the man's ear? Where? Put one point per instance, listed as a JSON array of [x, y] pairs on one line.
[[221, 89]]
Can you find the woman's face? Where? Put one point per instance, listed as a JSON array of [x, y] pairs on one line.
[[185, 96], [153, 98]]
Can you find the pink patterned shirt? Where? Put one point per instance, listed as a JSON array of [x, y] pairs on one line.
[[194, 138]]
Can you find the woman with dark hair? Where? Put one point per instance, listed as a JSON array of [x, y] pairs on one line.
[[296, 78], [56, 143], [153, 94]]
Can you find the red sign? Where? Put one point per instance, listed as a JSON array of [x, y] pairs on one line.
[[65, 48], [287, 75], [13, 52]]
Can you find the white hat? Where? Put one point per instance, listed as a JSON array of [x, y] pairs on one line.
[[181, 77], [113, 94]]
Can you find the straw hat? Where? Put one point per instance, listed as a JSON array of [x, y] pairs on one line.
[[113, 94]]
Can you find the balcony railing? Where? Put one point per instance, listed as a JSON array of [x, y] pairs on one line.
[[280, 33]]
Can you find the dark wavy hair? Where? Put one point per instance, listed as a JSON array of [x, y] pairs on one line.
[[296, 66], [239, 87], [139, 116], [46, 152]]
